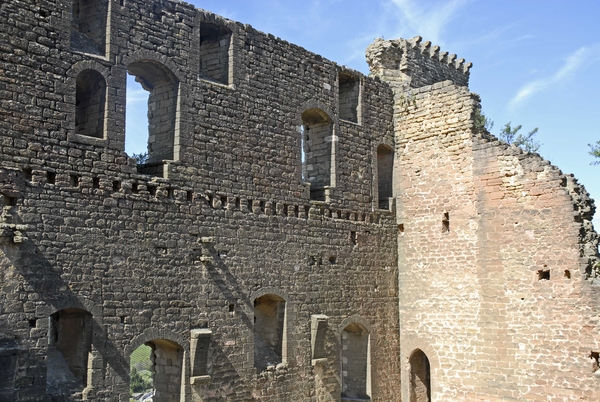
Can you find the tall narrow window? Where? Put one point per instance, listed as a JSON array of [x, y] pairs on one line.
[[69, 348], [215, 52], [318, 151], [269, 331], [90, 101], [163, 113], [385, 166], [349, 96], [420, 381], [155, 371], [356, 367], [88, 26]]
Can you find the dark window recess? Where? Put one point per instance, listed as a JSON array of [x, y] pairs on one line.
[[51, 177], [116, 185], [32, 322], [567, 274], [385, 166], [446, 223], [223, 201], [134, 188], [88, 26], [349, 97], [355, 363], [90, 102], [95, 182], [69, 349], [10, 201], [74, 180], [269, 324], [231, 308], [152, 190], [27, 174], [189, 196], [316, 151], [353, 237], [215, 53]]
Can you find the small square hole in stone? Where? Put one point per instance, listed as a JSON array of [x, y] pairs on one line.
[[32, 322], [116, 185], [74, 180], [543, 275], [10, 201], [567, 274], [27, 174], [95, 182]]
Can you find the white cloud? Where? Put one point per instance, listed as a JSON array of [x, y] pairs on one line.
[[573, 62], [428, 22]]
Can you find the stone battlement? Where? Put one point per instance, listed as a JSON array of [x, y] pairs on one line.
[[414, 63]]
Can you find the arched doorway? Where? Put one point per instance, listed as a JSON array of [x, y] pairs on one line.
[[420, 378]]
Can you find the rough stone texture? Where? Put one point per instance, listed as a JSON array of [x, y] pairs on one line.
[[485, 260]]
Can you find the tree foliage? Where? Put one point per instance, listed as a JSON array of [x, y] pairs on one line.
[[510, 134], [139, 382], [141, 158], [595, 152]]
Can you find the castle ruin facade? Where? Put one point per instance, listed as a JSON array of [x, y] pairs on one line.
[[299, 231]]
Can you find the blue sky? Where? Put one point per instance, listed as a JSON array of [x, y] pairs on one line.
[[535, 62]]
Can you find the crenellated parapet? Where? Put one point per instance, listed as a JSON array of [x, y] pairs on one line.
[[414, 63]]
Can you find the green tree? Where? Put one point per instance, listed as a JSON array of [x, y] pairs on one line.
[[511, 135], [595, 152], [141, 158], [482, 122]]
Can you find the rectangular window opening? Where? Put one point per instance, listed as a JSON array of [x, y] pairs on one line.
[[74, 180], [51, 177], [446, 223], [27, 174], [95, 182]]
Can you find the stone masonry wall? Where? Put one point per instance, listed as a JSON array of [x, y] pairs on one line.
[[499, 298], [188, 242]]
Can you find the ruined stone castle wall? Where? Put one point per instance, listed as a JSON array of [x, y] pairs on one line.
[[495, 261], [179, 250]]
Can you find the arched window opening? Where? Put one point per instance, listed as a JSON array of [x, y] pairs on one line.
[[269, 331], [420, 380], [90, 101], [385, 167], [162, 113], [318, 151], [88, 26], [215, 53], [69, 351], [349, 97], [156, 371], [356, 365]]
